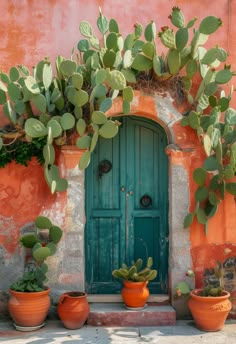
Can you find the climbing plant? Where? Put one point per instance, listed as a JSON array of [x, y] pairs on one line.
[[51, 109]]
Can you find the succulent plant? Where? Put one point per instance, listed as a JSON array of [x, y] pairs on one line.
[[135, 272], [183, 288]]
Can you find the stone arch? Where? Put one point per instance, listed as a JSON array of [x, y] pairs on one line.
[[158, 107]]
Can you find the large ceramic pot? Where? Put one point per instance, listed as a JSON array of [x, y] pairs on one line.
[[135, 294], [73, 309], [29, 309], [209, 313]]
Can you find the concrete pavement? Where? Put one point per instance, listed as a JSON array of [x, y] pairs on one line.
[[184, 332]]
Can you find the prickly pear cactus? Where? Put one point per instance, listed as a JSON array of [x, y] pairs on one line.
[[43, 244], [47, 108], [135, 272], [44, 241]]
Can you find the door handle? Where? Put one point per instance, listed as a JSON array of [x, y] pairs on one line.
[[122, 189]]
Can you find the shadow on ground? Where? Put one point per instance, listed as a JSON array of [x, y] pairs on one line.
[[53, 332]]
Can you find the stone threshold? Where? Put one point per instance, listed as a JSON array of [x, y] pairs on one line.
[[112, 298], [116, 314]]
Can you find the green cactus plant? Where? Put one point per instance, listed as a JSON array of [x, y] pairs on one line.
[[42, 244], [135, 272], [209, 289], [47, 109]]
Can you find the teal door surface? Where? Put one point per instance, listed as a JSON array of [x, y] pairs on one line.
[[127, 205]]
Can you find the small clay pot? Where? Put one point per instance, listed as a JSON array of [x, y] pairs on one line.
[[135, 294], [73, 309]]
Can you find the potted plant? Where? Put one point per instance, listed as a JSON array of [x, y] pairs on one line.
[[209, 305], [29, 297], [135, 279]]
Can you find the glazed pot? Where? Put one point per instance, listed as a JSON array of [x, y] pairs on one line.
[[209, 313], [29, 309], [73, 309], [135, 294]]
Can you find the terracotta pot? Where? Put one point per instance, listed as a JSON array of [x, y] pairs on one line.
[[209, 313], [29, 309], [135, 294], [73, 309]]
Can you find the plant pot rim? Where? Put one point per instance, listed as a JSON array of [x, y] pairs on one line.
[[16, 292], [195, 294], [73, 294], [135, 283]]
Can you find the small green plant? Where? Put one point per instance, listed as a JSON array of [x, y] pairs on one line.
[[43, 244], [210, 290], [30, 281], [183, 288], [135, 272]]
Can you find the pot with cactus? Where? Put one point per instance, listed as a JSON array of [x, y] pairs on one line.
[[209, 305], [29, 296], [135, 278]]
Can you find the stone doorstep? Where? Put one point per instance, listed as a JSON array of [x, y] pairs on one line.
[[161, 299], [115, 314]]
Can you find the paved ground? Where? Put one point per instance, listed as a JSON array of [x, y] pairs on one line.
[[183, 333]]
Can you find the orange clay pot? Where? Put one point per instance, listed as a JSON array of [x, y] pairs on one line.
[[29, 309], [135, 294], [209, 313], [73, 309]]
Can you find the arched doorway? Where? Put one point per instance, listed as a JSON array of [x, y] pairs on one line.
[[127, 205]]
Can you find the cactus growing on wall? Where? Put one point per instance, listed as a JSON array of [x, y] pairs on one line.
[[43, 243], [45, 109]]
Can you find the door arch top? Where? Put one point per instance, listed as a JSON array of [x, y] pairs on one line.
[[159, 107]]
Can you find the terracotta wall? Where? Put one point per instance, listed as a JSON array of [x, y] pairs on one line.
[[31, 30]]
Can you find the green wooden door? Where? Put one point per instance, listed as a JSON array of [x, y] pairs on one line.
[[127, 205]]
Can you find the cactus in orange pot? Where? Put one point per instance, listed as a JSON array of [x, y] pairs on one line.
[[135, 279]]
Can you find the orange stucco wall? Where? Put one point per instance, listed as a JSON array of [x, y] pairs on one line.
[[31, 30]]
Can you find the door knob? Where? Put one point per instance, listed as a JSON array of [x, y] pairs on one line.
[[122, 188], [131, 193]]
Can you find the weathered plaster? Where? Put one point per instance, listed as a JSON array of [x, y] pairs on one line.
[[179, 241], [70, 273], [165, 109]]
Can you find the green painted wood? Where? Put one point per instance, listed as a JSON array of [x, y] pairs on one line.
[[118, 228]]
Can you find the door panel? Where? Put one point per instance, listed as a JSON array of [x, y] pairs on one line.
[[127, 206]]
